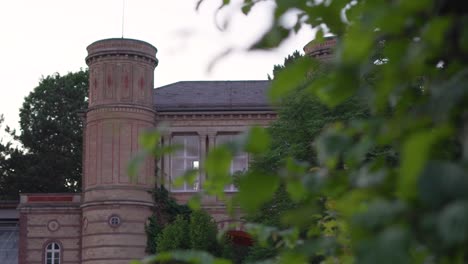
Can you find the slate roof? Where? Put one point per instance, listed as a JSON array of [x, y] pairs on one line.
[[212, 96]]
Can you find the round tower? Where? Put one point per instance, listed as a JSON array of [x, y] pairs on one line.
[[115, 204], [321, 51]]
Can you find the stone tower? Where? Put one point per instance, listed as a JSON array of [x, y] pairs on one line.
[[116, 206], [321, 51]]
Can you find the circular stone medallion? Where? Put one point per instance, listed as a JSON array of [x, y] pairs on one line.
[[53, 225]]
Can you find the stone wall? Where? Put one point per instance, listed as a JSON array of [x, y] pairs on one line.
[[46, 218]]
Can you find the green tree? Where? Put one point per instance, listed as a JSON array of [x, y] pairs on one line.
[[51, 137], [5, 153]]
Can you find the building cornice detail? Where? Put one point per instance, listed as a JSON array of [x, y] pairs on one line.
[[117, 187], [121, 108], [117, 202], [270, 115]]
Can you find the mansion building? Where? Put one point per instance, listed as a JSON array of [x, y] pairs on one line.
[[106, 222]]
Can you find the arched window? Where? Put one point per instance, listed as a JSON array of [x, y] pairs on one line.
[[52, 253]]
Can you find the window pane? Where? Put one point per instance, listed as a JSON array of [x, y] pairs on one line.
[[239, 164], [49, 255], [178, 140], [56, 246], [195, 164], [175, 175], [185, 159], [239, 161], [178, 164], [192, 143], [223, 139]]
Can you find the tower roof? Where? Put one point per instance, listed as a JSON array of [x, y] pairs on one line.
[[123, 47]]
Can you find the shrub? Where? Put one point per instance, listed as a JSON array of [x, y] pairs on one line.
[[203, 232], [174, 236], [153, 231]]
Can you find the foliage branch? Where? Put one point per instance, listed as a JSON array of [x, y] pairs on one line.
[[396, 180]]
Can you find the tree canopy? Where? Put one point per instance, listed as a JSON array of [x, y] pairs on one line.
[[49, 159]]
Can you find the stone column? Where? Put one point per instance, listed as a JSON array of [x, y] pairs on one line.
[[165, 175], [203, 153], [211, 140]]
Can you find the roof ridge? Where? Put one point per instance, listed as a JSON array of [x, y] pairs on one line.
[[211, 81]]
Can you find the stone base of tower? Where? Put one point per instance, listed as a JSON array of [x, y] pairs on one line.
[[114, 233]]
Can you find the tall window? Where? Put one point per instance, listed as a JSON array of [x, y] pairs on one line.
[[185, 158], [52, 253], [239, 162]]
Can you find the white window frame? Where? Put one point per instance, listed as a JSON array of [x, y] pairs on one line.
[[51, 250], [190, 162]]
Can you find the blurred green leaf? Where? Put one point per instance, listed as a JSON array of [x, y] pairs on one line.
[[416, 151], [258, 140], [379, 213], [261, 232], [435, 31], [415, 6], [195, 202], [356, 45], [293, 257], [441, 182], [135, 164], [186, 256], [247, 6], [189, 177], [217, 167], [255, 189], [331, 145], [296, 190], [294, 184], [453, 223], [271, 38], [388, 247], [149, 139], [290, 78]]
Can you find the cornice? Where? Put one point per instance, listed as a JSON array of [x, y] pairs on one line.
[[121, 55], [269, 115], [117, 187], [120, 108], [116, 202]]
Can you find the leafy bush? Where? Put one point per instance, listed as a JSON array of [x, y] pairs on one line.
[[237, 253], [165, 211], [174, 236], [203, 232], [199, 232], [153, 229]]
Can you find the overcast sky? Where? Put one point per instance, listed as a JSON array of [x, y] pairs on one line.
[[39, 38]]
